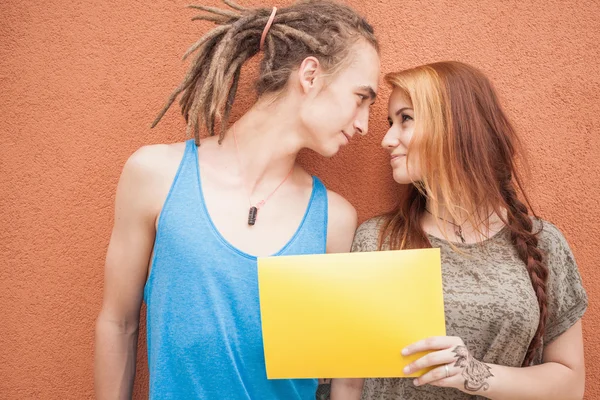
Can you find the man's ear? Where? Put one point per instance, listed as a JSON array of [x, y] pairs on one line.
[[308, 72]]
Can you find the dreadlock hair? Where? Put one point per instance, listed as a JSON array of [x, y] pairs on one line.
[[468, 151], [323, 29]]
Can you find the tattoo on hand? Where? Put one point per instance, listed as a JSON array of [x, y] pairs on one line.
[[475, 372]]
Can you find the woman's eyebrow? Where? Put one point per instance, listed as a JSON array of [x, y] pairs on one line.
[[401, 110]]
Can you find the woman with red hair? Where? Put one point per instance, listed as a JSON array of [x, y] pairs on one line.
[[512, 292]]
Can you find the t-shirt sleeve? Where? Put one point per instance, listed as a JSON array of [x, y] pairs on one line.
[[567, 299], [366, 236]]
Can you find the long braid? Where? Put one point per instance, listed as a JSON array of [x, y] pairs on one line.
[[319, 28], [526, 244]]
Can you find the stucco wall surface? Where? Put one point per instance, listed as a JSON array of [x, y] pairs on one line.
[[82, 81]]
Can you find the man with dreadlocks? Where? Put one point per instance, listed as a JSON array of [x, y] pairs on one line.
[[191, 218]]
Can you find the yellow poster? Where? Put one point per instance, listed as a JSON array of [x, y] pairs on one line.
[[348, 315]]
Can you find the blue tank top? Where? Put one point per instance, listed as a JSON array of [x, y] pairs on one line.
[[203, 318]]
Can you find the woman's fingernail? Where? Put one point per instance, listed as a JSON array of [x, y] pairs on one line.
[[416, 382], [406, 370], [404, 352]]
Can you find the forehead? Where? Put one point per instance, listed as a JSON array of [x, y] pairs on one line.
[[363, 67], [398, 100]]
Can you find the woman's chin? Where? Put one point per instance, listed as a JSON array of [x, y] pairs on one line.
[[401, 177]]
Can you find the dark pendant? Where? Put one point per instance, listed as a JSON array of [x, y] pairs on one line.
[[252, 215], [460, 235]]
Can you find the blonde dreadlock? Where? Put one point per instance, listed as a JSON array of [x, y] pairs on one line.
[[322, 29]]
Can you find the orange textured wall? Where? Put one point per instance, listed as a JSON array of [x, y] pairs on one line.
[[81, 82]]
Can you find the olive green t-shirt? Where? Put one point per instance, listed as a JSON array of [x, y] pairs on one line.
[[490, 303]]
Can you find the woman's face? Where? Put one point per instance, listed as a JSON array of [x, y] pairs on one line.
[[398, 138], [340, 108]]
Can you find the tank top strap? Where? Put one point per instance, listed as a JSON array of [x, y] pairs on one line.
[[312, 236], [185, 181], [188, 166]]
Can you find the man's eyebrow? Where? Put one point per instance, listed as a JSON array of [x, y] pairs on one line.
[[370, 90]]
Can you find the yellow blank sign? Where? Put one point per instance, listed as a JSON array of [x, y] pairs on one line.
[[348, 315]]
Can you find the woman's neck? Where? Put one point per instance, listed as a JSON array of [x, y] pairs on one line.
[[470, 225]]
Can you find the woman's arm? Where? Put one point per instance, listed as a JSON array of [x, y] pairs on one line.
[[560, 377], [346, 389]]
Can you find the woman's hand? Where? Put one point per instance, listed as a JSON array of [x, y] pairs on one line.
[[453, 365]]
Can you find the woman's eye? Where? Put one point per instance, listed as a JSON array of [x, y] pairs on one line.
[[406, 117], [390, 122]]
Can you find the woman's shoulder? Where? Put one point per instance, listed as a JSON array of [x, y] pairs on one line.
[[566, 296], [550, 237], [558, 255], [371, 226], [366, 237]]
